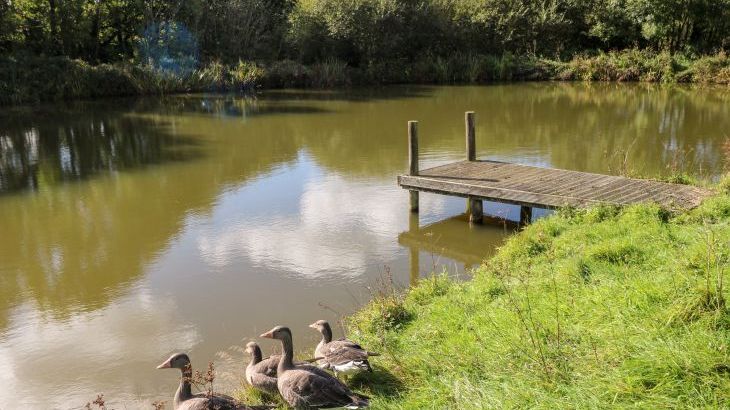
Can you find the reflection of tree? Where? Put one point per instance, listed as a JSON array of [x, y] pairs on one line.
[[57, 150], [570, 126], [77, 247]]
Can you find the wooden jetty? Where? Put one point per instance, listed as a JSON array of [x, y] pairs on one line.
[[529, 186]]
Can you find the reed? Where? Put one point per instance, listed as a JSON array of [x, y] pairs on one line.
[[28, 79]]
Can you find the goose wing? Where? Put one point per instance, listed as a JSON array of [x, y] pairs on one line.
[[344, 341], [267, 366], [344, 354], [263, 382], [218, 401], [303, 388]]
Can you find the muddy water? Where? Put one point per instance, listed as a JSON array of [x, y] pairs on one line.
[[130, 229]]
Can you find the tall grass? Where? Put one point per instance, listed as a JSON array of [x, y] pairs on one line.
[[34, 79], [602, 308]]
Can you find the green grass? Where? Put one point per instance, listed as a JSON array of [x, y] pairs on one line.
[[599, 308], [31, 79], [35, 79]]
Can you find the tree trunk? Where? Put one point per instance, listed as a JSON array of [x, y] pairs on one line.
[[95, 27], [53, 21]]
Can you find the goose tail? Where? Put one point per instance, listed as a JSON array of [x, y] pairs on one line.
[[359, 401]]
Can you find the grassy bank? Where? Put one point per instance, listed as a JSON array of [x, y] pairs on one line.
[[35, 79], [585, 309]]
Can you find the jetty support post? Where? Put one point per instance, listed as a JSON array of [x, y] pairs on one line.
[[413, 159], [471, 149], [474, 205], [525, 215], [476, 210]]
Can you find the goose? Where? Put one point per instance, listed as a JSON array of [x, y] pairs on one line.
[[308, 387], [261, 373], [341, 356], [184, 398]]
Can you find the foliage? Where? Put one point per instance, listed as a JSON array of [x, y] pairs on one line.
[[138, 47], [711, 69], [599, 308], [34, 79], [357, 32], [724, 184]]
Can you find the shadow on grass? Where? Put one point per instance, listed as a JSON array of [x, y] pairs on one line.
[[380, 382]]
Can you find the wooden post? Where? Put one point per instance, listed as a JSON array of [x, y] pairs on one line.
[[525, 215], [473, 205], [413, 159], [476, 211], [471, 151]]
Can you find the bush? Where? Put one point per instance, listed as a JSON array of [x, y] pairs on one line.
[[711, 69], [245, 76]]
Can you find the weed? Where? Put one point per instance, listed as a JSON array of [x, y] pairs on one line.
[[99, 403]]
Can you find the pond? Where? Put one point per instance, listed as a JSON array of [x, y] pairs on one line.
[[133, 228]]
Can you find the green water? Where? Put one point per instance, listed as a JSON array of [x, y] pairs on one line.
[[133, 228]]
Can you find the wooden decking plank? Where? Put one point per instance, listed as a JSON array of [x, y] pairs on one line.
[[490, 193], [611, 186], [541, 179], [621, 188], [597, 185], [503, 173], [564, 184], [546, 187], [582, 183], [628, 188], [650, 194]]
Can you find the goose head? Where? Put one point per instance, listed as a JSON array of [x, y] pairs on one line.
[[254, 350], [251, 347], [320, 325], [176, 361], [323, 327], [279, 333]]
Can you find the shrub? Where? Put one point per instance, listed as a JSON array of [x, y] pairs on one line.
[[711, 69]]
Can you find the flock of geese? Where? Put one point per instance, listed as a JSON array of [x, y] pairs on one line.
[[302, 385]]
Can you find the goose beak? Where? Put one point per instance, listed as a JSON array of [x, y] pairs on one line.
[[165, 365], [313, 325], [268, 335]]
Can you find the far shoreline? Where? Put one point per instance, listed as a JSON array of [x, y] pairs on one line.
[[33, 80]]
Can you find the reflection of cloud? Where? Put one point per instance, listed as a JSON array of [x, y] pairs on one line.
[[342, 227], [135, 332]]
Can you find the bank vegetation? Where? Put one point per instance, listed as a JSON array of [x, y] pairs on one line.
[[52, 49], [600, 308]]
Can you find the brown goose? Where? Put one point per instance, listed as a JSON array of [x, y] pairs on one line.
[[341, 356], [306, 387], [261, 373], [184, 398]]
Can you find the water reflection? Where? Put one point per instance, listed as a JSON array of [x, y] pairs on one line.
[[225, 107], [212, 217], [58, 149], [447, 239], [56, 364]]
